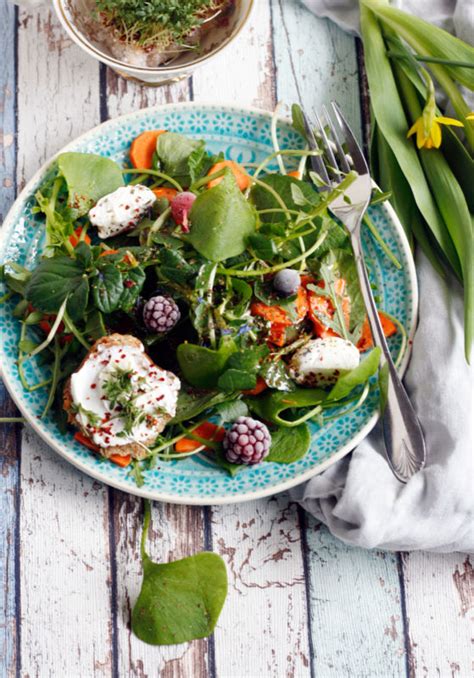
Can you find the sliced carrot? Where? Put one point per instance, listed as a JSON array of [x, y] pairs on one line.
[[143, 147], [75, 238], [120, 460], [365, 342], [165, 192], [87, 442], [295, 174], [241, 176], [277, 314], [206, 430], [260, 386], [279, 318], [106, 253]]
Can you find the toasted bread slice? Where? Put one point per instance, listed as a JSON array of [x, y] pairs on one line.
[[137, 450]]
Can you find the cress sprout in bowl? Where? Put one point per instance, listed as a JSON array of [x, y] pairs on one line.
[[154, 41]]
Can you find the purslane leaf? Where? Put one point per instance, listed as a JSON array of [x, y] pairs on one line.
[[222, 221], [88, 177]]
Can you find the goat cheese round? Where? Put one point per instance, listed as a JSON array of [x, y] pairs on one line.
[[321, 361], [120, 396], [121, 210]]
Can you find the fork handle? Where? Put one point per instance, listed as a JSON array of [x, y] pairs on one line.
[[403, 435]]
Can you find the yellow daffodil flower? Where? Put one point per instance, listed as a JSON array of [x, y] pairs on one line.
[[428, 125], [470, 116]]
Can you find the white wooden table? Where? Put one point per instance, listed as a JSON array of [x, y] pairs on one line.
[[300, 602]]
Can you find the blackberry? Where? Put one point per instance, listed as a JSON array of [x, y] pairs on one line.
[[160, 314], [287, 282], [247, 442]]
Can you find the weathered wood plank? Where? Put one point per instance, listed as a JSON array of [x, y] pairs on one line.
[[9, 439], [7, 107], [242, 74], [440, 608], [58, 85], [315, 61], [65, 598], [263, 627], [124, 96], [356, 615]]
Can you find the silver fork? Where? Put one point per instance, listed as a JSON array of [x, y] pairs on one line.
[[403, 435]]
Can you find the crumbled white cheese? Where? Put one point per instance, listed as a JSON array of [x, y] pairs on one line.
[[121, 210], [321, 361]]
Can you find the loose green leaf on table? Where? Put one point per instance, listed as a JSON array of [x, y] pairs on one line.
[[179, 601]]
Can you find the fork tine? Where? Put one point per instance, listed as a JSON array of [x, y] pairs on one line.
[[328, 148], [342, 156], [357, 156], [317, 163]]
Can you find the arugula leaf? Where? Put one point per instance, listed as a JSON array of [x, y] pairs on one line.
[[348, 381], [289, 444], [340, 264], [181, 600], [297, 120], [55, 279], [222, 220], [174, 152], [203, 366], [88, 177], [107, 288], [200, 162]]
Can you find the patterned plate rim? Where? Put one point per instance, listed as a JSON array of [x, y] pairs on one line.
[[64, 452]]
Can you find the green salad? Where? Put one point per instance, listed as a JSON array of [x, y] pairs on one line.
[[186, 304]]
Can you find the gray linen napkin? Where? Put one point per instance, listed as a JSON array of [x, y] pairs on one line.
[[358, 498]]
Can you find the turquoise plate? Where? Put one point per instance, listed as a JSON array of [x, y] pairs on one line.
[[243, 135]]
